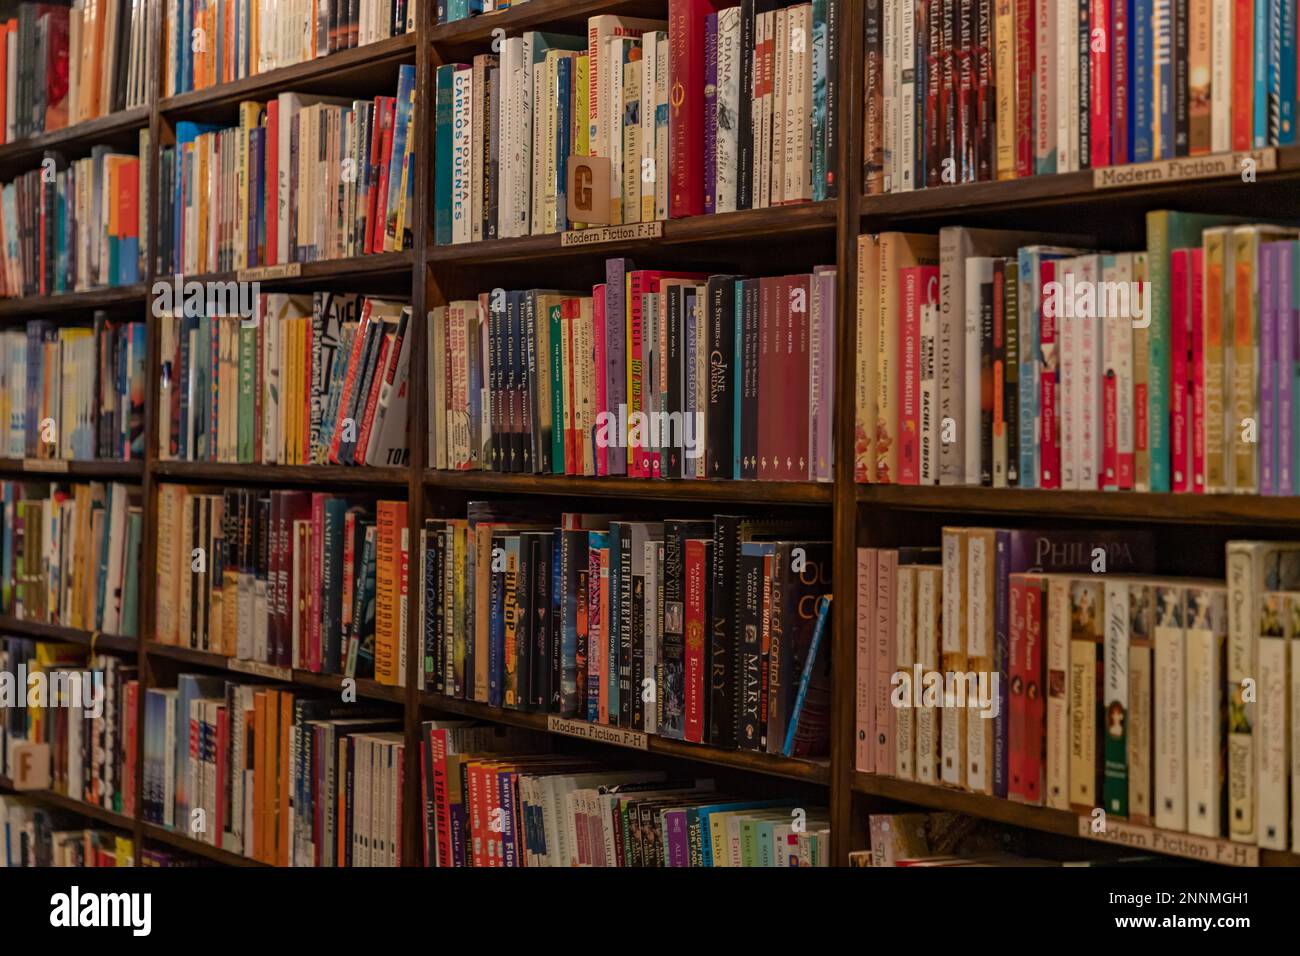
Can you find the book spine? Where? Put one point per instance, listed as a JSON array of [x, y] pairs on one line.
[[1100, 43]]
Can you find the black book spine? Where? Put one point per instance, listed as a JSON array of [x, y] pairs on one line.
[[1180, 27], [922, 74], [751, 651], [539, 452], [718, 442], [832, 98], [581, 644], [1011, 368], [625, 637], [745, 118], [1084, 106], [671, 688], [491, 155], [986, 377], [560, 602], [638, 647], [496, 315], [435, 548], [539, 685], [526, 618], [724, 631], [613, 621], [674, 360]]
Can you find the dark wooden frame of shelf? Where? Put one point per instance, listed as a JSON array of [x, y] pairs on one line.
[[859, 514]]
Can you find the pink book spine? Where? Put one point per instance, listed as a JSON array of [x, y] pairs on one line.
[[598, 335], [1268, 371], [865, 750], [1286, 354], [318, 536], [1090, 380], [1197, 372], [1049, 453], [883, 658], [909, 399], [1179, 320], [1067, 334], [638, 463]]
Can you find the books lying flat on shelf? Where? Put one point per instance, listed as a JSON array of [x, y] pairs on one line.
[[712, 110], [695, 630], [34, 835], [653, 375], [73, 393], [283, 776], [61, 65], [1051, 668], [303, 380], [88, 723], [309, 580], [1015, 360], [562, 811], [73, 226], [213, 42], [1007, 90], [71, 555], [251, 194]]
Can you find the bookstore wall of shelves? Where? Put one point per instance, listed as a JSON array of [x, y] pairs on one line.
[[435, 491]]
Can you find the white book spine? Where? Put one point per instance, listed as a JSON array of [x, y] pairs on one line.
[[890, 79], [905, 656], [1243, 558], [462, 125], [648, 172], [1171, 703], [979, 652], [905, 158], [951, 351], [1088, 395], [929, 594], [929, 394], [952, 724], [1274, 758], [1205, 627], [1067, 329], [1067, 86], [661, 122], [1045, 95]]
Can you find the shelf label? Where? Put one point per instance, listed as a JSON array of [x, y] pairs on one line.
[[46, 464], [260, 669], [602, 234], [286, 270], [634, 739], [1206, 849], [1186, 167], [29, 765]]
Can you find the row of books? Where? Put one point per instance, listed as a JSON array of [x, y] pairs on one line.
[[308, 580], [65, 64], [319, 378], [68, 227], [71, 555], [656, 374], [750, 121], [88, 723], [219, 41], [1010, 359], [277, 775], [1000, 90], [73, 393], [1161, 700], [449, 11], [299, 179], [494, 799], [33, 835], [708, 631]]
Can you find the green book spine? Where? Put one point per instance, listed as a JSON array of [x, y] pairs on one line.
[[442, 156], [1166, 231], [247, 384], [555, 326], [131, 586]]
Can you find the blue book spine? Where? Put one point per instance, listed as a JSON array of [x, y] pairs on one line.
[[612, 631], [819, 101], [823, 612], [1286, 76], [1028, 263], [1163, 42], [596, 540], [563, 123], [1140, 82], [1263, 51], [496, 623], [401, 119]]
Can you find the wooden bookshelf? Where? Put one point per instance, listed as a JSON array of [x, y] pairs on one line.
[[758, 241], [62, 801], [71, 635], [59, 469]]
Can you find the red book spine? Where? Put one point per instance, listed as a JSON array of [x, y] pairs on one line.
[[638, 462], [909, 349], [1197, 370], [271, 182], [686, 22], [598, 338], [994, 397], [374, 225], [1024, 98], [372, 400], [441, 808], [1017, 673], [350, 379], [964, 48], [1049, 454], [1035, 707], [697, 560], [1243, 59], [317, 541], [1109, 431], [767, 368], [1179, 320], [1099, 120], [1119, 71]]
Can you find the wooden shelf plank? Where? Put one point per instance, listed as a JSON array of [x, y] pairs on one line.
[[1100, 505], [366, 689], [180, 841], [91, 132], [650, 489], [1060, 822], [1057, 189], [384, 264], [318, 476], [555, 15], [36, 469], [340, 70], [72, 805], [38, 306], [778, 223], [808, 771], [70, 635]]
